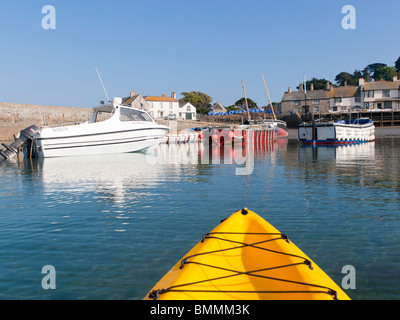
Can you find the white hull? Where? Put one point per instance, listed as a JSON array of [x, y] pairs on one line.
[[104, 137], [337, 133]]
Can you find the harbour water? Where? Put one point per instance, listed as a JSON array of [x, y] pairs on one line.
[[113, 226]]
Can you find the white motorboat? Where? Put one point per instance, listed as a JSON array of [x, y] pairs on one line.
[[111, 128], [335, 133]]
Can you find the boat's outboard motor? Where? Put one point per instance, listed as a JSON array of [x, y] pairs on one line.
[[14, 148]]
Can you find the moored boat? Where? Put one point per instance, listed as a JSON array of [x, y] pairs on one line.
[[111, 128], [246, 258], [280, 126], [336, 133]]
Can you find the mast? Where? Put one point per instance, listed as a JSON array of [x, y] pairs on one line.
[[270, 103], [245, 99]]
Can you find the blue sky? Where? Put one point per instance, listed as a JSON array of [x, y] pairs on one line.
[[155, 47]]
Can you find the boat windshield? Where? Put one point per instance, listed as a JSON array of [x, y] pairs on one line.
[[133, 115]]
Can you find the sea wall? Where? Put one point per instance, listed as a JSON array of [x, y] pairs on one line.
[[16, 116]]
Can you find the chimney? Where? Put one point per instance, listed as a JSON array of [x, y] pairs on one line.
[[312, 87], [345, 83], [328, 86], [395, 79], [289, 90], [173, 95], [301, 88], [133, 94], [361, 82], [164, 95]]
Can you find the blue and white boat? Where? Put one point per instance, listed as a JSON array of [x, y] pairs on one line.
[[337, 133]]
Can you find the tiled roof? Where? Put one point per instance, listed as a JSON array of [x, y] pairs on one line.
[[347, 91], [129, 100], [314, 95], [153, 98], [381, 85]]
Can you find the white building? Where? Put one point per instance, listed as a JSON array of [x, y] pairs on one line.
[[161, 107], [187, 111], [381, 94], [345, 99]]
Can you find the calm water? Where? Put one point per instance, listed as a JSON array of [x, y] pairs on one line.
[[113, 226]]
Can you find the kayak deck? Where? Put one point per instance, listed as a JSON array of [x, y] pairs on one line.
[[245, 258]]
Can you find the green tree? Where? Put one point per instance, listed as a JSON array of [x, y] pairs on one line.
[[397, 65], [343, 77], [385, 73], [357, 74], [232, 108], [350, 79], [366, 74], [373, 68], [200, 100], [319, 84], [242, 103]]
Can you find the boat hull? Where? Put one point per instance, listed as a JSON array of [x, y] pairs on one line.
[[77, 144], [280, 126], [336, 133], [282, 131], [246, 258]]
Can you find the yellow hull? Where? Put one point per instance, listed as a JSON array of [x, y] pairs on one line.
[[246, 258]]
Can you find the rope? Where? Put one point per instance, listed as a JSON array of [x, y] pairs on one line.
[[156, 293]]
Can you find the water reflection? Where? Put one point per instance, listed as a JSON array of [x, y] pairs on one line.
[[343, 155]]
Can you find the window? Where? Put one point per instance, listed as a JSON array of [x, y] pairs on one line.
[[368, 105], [386, 93], [334, 108], [188, 108], [297, 102], [170, 105], [102, 115], [388, 104], [358, 99], [316, 109], [369, 94], [344, 108], [133, 115], [316, 101], [338, 100]]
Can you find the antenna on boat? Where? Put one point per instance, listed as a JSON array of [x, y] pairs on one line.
[[245, 99], [270, 103], [103, 85]]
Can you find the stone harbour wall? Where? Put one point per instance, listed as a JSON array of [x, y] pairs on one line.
[[15, 116]]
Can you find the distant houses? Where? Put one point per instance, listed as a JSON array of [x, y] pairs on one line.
[[162, 106], [377, 95], [219, 107]]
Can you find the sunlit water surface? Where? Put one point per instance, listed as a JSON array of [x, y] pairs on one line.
[[112, 226]]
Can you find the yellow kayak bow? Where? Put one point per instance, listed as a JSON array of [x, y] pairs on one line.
[[246, 258]]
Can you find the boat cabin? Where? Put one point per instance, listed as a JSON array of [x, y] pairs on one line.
[[120, 112]]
